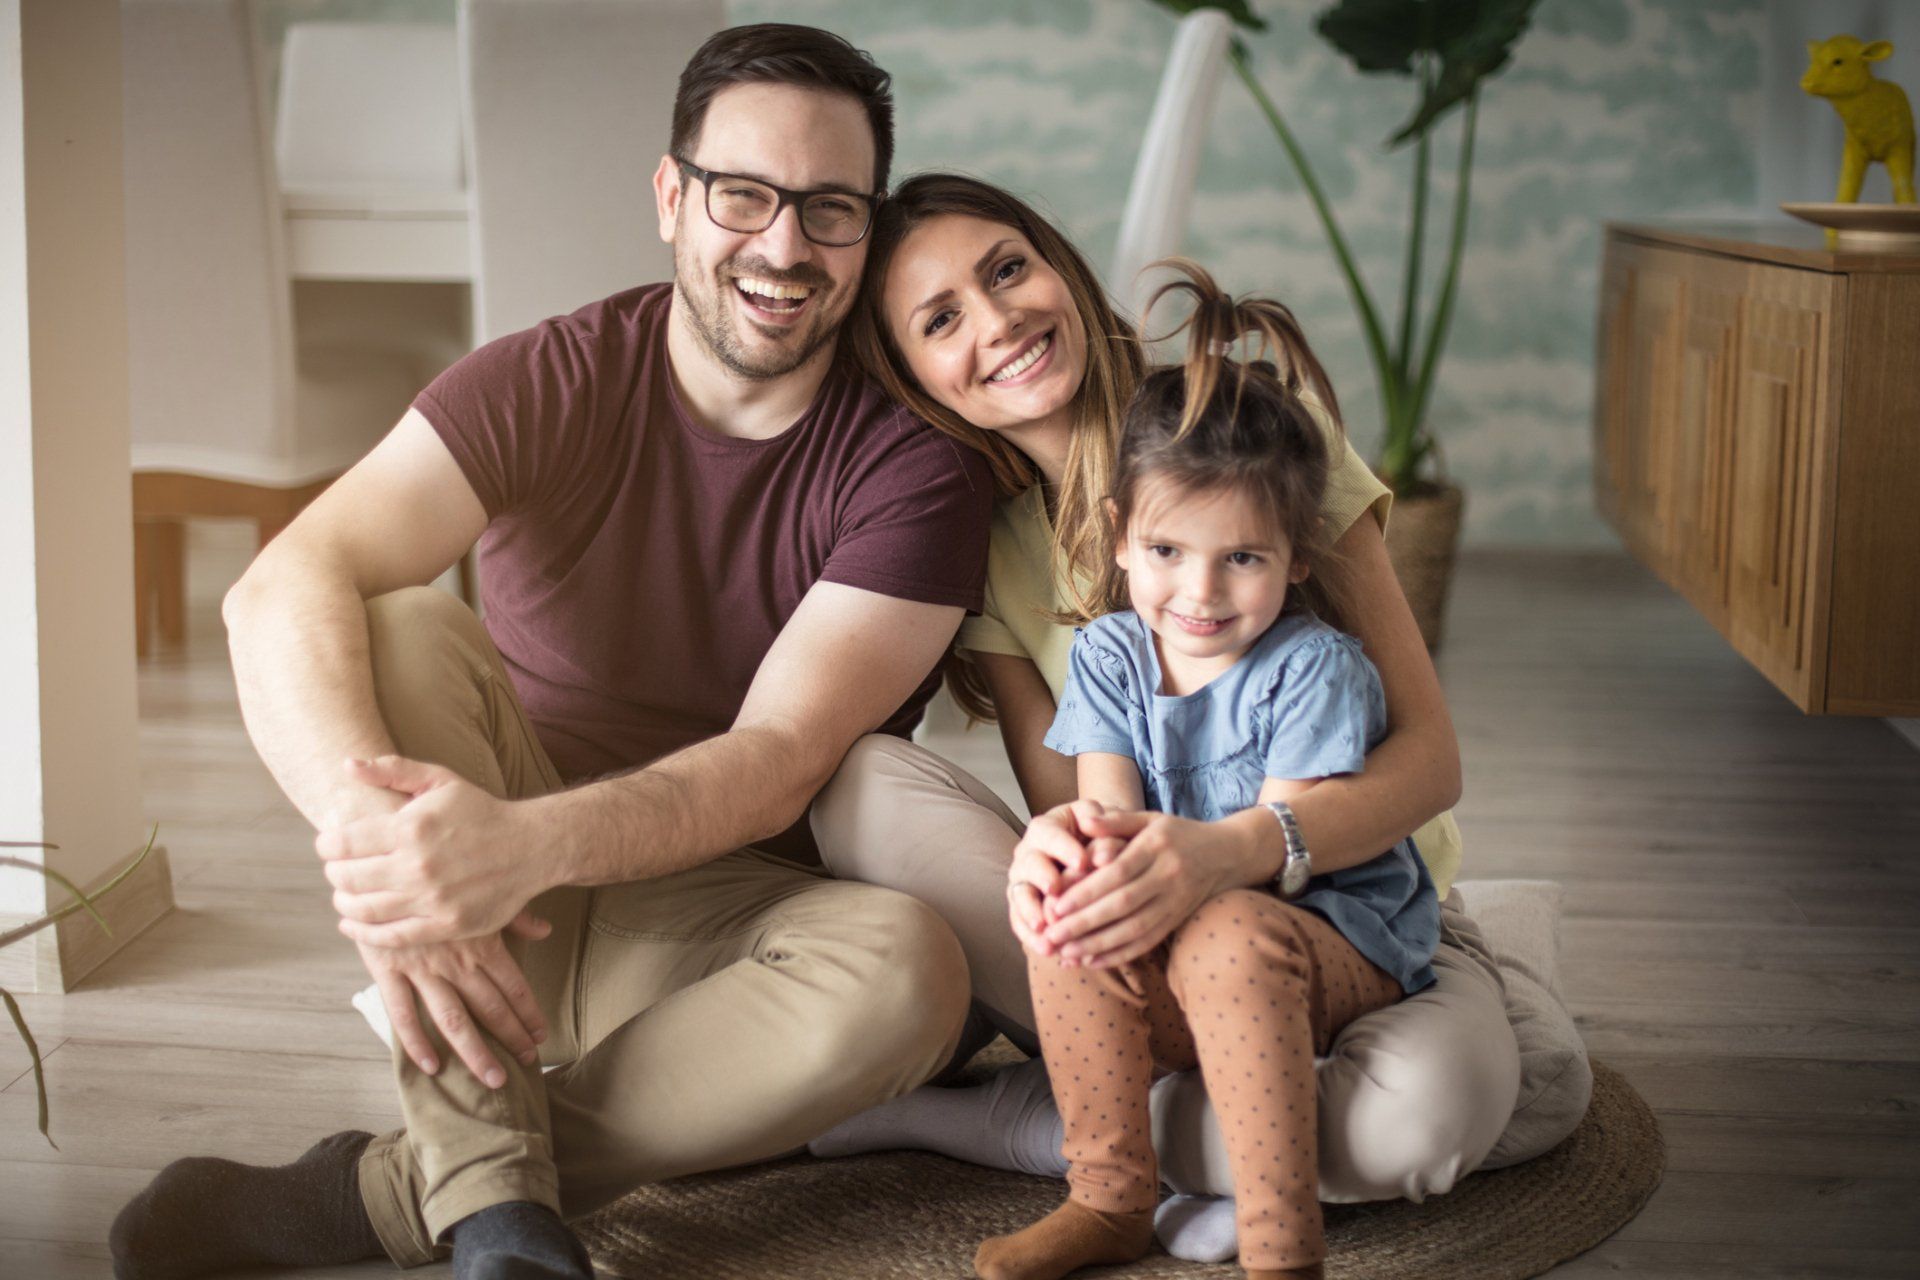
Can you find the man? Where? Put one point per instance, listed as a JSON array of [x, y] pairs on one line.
[[715, 559]]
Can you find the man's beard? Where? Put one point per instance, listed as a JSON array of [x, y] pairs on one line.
[[707, 311]]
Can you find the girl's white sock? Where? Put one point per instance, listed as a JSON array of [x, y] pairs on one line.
[[1010, 1122], [1197, 1228]]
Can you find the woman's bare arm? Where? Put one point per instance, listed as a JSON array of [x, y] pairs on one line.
[[1025, 708]]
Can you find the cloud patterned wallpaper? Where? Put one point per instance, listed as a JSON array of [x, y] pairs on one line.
[[1610, 109]]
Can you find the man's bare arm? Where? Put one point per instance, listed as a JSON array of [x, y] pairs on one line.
[[841, 666], [297, 620], [453, 862], [297, 629]]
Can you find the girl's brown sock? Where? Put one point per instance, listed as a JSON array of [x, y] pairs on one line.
[[1071, 1237], [1313, 1272]]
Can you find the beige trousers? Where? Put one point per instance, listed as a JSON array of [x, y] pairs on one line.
[[711, 1018], [1412, 1097]]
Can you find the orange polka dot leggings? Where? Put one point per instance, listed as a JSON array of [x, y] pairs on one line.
[[1250, 988]]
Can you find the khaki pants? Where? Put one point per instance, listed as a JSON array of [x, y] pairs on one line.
[[1412, 1097], [711, 1018]]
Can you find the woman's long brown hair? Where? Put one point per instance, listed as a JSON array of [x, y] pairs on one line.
[[1115, 365]]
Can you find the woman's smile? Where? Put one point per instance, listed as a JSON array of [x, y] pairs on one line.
[[1026, 365]]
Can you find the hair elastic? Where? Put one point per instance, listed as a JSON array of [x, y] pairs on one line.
[[1219, 347]]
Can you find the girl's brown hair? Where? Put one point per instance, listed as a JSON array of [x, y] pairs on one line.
[[1214, 423], [1115, 365]]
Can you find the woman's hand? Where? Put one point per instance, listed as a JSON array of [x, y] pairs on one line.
[[1052, 857], [1119, 911]]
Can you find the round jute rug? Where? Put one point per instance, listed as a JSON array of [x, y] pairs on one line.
[[910, 1215]]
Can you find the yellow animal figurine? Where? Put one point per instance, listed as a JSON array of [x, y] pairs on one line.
[[1878, 120]]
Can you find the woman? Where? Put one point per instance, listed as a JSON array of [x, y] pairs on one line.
[[984, 321]]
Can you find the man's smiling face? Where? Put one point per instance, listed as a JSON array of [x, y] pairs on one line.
[[728, 282]]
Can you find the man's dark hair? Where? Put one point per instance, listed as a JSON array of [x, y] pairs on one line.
[[784, 53]]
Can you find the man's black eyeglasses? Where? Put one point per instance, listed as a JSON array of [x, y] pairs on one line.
[[835, 219]]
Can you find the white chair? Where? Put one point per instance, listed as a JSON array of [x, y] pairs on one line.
[[1155, 217], [231, 416], [569, 104], [371, 152]]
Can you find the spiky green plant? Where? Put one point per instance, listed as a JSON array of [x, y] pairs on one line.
[[1449, 47], [81, 902]]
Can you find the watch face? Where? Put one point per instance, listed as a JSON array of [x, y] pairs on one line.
[[1294, 876]]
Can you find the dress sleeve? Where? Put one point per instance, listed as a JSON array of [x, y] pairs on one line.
[[1096, 707], [1325, 699], [1352, 488], [987, 631]]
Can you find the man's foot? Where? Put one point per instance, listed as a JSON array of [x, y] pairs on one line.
[[203, 1215], [519, 1240], [1071, 1237]]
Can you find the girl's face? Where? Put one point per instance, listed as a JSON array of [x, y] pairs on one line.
[[986, 326], [1206, 572]]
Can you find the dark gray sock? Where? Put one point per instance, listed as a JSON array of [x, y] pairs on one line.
[[201, 1215], [518, 1240]]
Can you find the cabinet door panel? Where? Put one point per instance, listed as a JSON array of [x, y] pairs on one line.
[[1612, 366], [1784, 357], [1656, 304], [1702, 430]]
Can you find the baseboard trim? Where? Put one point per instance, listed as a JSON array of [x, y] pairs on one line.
[[59, 958]]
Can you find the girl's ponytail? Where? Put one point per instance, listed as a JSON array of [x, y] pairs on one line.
[[1218, 323]]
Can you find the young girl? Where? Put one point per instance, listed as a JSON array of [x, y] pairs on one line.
[[1218, 697]]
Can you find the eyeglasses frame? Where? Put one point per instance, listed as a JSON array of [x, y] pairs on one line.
[[786, 196]]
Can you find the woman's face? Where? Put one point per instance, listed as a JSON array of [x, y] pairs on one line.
[[986, 326]]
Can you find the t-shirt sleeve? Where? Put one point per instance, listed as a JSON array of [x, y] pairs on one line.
[[1352, 488], [914, 522], [1325, 698], [1094, 712], [515, 414]]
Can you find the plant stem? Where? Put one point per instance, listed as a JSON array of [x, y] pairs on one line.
[[82, 903], [1362, 301], [33, 1052], [1416, 241], [1443, 313]]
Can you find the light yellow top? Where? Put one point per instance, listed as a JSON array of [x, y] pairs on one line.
[[1021, 592]]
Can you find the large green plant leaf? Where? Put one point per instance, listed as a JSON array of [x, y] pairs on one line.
[[1469, 39], [1239, 10]]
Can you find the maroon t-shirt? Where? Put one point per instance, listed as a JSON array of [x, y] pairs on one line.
[[638, 566]]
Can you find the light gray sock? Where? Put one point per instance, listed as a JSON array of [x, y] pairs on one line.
[[1197, 1228], [1010, 1122]]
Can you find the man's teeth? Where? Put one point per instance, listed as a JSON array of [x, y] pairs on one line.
[[1025, 362], [767, 289]]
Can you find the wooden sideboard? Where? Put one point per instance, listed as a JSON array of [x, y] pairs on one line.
[[1757, 444]]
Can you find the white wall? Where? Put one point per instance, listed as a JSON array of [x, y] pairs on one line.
[[69, 759]]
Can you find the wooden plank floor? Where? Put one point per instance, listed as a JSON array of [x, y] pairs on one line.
[[1742, 941]]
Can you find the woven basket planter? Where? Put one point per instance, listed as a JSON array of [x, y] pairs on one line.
[[1422, 538]]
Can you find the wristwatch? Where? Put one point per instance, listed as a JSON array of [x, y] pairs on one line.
[[1298, 868]]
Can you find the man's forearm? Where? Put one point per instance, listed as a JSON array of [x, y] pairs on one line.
[[299, 643], [708, 799]]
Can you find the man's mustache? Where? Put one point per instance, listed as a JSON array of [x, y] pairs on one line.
[[806, 277]]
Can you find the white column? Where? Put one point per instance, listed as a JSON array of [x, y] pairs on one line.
[[69, 753]]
